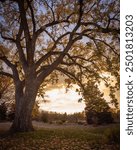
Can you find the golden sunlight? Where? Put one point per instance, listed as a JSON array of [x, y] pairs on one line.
[[61, 101]]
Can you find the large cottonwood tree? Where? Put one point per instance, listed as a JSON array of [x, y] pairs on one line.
[[39, 38]]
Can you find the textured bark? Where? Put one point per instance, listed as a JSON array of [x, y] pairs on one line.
[[22, 121], [24, 106]]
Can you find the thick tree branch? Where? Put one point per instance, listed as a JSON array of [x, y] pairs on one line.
[[32, 16], [24, 20], [21, 55], [19, 47], [24, 23]]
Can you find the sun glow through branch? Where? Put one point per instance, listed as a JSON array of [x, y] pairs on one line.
[[62, 101]]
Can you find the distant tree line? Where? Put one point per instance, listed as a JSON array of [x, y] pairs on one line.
[[62, 118], [86, 117]]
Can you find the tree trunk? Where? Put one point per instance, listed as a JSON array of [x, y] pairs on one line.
[[22, 121], [25, 101]]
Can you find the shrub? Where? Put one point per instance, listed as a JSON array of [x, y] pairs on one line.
[[105, 118], [89, 117], [99, 118], [44, 117], [59, 122], [116, 116]]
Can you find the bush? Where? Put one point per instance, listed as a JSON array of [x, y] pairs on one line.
[[44, 117], [99, 118], [116, 116], [59, 122], [89, 117], [105, 118]]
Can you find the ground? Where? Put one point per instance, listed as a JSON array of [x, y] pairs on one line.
[[59, 137]]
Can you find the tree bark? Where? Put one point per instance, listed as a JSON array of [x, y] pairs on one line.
[[25, 100], [22, 121]]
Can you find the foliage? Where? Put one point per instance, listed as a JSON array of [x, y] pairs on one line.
[[5, 85], [94, 99], [97, 108], [99, 118], [35, 111]]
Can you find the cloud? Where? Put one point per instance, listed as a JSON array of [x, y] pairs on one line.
[[60, 101]]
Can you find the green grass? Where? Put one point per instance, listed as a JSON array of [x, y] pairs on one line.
[[60, 139]]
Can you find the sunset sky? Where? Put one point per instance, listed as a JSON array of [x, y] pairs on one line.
[[61, 101], [58, 100]]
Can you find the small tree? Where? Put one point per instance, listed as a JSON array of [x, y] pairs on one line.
[[97, 108]]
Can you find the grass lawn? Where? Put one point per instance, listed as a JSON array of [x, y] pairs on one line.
[[72, 138]]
